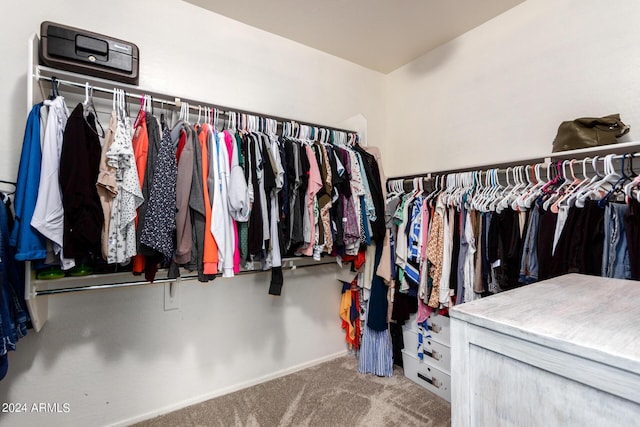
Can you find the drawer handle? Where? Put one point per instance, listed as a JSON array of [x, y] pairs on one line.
[[433, 354], [435, 328], [433, 380]]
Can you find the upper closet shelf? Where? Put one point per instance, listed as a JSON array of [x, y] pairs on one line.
[[620, 148], [601, 151]]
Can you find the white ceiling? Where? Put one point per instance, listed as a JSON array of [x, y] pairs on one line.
[[378, 34]]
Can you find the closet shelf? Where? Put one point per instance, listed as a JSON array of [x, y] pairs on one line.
[[122, 279], [38, 291], [619, 149]]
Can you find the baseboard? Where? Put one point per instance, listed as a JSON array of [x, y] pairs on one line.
[[227, 390]]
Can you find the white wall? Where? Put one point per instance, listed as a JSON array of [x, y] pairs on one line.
[[116, 356], [499, 92]]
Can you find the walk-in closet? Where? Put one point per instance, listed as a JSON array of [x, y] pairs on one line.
[[331, 214]]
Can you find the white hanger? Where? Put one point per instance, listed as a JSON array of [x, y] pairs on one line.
[[524, 185], [628, 189], [536, 190], [602, 185], [86, 94], [569, 198]]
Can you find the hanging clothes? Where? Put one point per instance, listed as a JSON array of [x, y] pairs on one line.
[[14, 316], [182, 138], [314, 185], [615, 257], [30, 245], [376, 354], [632, 230], [79, 168], [107, 184], [160, 219], [122, 244], [48, 215], [222, 227]]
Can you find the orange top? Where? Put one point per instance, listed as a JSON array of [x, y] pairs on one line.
[[140, 143], [210, 257]]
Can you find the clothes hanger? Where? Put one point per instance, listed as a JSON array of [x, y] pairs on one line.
[[566, 188], [89, 108], [118, 104], [518, 185], [571, 200], [453, 185], [502, 199], [150, 107], [490, 190], [601, 186], [628, 189], [632, 172], [55, 88], [466, 183], [141, 113], [561, 182], [568, 198], [618, 186], [493, 198], [525, 186], [536, 190], [586, 187], [486, 191]]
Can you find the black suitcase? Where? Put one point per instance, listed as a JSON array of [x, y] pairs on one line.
[[84, 52]]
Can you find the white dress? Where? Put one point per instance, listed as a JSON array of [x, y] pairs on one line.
[[122, 233]]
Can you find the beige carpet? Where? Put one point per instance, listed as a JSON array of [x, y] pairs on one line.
[[329, 394]]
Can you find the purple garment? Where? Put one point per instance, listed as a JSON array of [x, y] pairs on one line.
[[351, 229]]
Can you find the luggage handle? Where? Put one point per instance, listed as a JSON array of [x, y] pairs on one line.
[[92, 45]]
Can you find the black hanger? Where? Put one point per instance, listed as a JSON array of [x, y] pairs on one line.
[[10, 192], [632, 173], [126, 104], [617, 188], [55, 88], [163, 120], [90, 109]]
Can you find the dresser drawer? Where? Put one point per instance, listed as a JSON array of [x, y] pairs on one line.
[[439, 328], [434, 353], [427, 376]]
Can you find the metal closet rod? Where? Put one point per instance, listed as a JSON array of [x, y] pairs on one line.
[[45, 292], [501, 167], [193, 105]]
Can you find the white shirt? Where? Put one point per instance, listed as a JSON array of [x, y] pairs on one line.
[[122, 233], [221, 225], [48, 216]]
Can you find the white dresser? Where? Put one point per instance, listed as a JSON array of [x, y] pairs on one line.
[[562, 352], [430, 367]]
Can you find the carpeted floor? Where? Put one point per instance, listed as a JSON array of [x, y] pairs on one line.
[[329, 394]]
